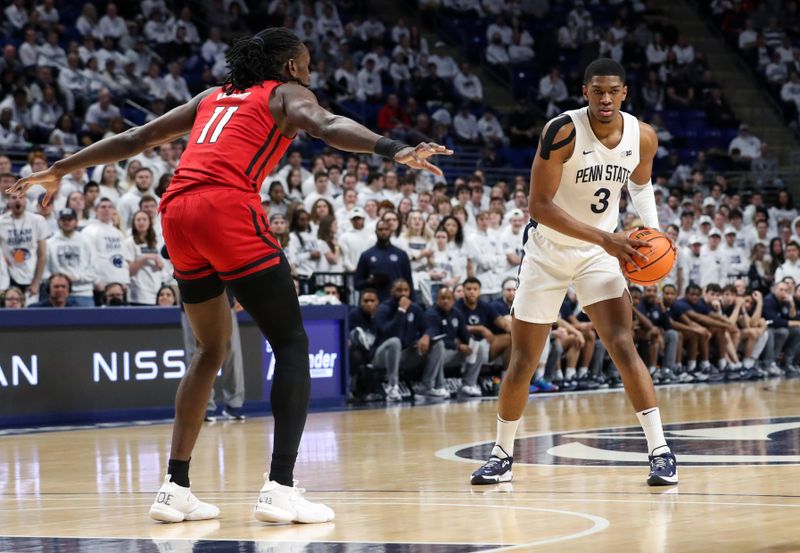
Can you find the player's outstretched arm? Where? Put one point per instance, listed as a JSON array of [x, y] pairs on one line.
[[170, 126], [301, 111], [555, 147]]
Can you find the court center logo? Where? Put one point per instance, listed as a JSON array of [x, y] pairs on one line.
[[768, 441]]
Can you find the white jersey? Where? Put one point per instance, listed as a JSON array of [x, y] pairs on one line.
[[593, 177]]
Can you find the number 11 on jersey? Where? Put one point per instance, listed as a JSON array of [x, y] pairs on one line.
[[221, 125]]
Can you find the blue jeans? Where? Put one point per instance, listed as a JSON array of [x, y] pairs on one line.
[[82, 301]]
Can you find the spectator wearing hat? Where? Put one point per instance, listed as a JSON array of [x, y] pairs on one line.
[[692, 261], [713, 269], [59, 293], [735, 258], [71, 255], [748, 145], [705, 223], [685, 227]]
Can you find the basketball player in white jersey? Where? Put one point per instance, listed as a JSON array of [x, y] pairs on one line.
[[584, 159]]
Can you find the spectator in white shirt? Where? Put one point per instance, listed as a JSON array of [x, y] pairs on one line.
[[519, 52], [156, 29], [684, 52], [99, 115], [50, 53], [12, 133], [177, 90], [46, 113], [329, 22], [499, 27], [17, 14], [400, 30], [372, 28], [87, 22], [185, 21], [156, 86], [465, 125], [370, 88], [23, 238], [213, 46], [129, 202], [29, 50], [95, 81], [490, 130], [496, 53], [790, 267], [790, 91], [346, 81], [445, 65], [107, 243], [748, 145], [69, 253], [776, 71], [468, 85], [111, 24], [748, 37], [553, 92], [656, 51]]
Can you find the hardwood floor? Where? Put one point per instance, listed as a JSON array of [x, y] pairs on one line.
[[398, 479]]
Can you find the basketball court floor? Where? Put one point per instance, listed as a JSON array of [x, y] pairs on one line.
[[398, 479]]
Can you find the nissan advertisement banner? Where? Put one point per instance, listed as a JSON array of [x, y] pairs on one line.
[[81, 368]]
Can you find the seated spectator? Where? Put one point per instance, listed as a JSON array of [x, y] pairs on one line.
[[694, 337], [490, 131], [718, 113], [370, 87], [780, 311], [791, 267], [489, 330], [12, 298], [114, 295], [663, 338], [382, 264], [392, 119], [70, 254], [693, 311], [748, 145], [446, 67], [403, 342], [518, 51], [552, 93], [465, 125], [363, 333], [58, 286], [450, 343], [752, 325], [99, 115], [784, 210], [468, 85], [497, 53], [684, 52]]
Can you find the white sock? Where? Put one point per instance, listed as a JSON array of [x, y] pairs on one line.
[[652, 369], [650, 419], [704, 364], [723, 363], [690, 366], [570, 373], [749, 362], [506, 432], [583, 371], [559, 375], [539, 373], [761, 343]]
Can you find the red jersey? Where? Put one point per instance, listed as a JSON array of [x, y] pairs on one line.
[[234, 143]]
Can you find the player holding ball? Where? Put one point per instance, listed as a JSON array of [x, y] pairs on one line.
[[584, 159]]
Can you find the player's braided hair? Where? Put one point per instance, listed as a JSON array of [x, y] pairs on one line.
[[253, 60]]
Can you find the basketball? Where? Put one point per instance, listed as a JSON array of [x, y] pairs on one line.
[[660, 258]]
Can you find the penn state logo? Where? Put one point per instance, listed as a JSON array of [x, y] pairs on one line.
[[474, 320], [393, 258], [454, 322], [117, 261], [768, 441]]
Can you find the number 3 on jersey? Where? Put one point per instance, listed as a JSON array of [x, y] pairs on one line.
[[221, 125], [602, 197]]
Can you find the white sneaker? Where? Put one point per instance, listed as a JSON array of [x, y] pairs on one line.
[[471, 391], [175, 503], [278, 503], [773, 370], [393, 393]]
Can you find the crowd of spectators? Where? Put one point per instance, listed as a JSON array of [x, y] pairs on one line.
[[430, 261], [767, 35]]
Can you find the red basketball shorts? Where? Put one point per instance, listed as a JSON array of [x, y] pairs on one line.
[[219, 230]]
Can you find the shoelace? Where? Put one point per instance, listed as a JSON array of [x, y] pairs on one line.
[[660, 462], [495, 462]]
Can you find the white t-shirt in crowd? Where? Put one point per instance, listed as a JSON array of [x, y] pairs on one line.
[[110, 263], [20, 240]]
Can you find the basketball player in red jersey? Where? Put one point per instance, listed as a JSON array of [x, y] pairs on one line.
[[217, 236]]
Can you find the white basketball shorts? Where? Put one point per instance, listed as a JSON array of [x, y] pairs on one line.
[[548, 269]]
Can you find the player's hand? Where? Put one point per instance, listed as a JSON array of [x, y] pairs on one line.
[[417, 157], [423, 344], [623, 247], [49, 179]]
